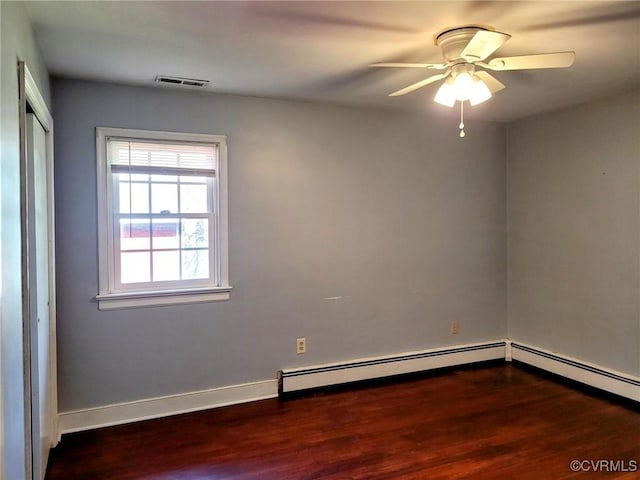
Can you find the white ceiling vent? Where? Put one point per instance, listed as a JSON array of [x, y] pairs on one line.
[[180, 81]]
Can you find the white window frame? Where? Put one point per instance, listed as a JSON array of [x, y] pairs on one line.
[[111, 294]]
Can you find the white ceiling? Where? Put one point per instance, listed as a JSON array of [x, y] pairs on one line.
[[320, 50]]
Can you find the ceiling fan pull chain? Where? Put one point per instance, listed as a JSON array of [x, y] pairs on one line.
[[461, 126]]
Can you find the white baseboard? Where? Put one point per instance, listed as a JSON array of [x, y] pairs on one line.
[[146, 409], [622, 384], [295, 379]]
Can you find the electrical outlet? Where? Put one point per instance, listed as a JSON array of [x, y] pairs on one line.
[[454, 328], [301, 345]]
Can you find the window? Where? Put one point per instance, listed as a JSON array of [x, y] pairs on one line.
[[162, 201]]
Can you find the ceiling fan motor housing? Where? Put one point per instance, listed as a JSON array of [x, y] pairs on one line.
[[453, 41]]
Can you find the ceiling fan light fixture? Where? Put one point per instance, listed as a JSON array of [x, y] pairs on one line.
[[446, 94], [479, 92], [463, 49], [462, 86]]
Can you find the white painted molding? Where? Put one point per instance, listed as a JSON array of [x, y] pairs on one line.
[[165, 406], [115, 301], [507, 350], [112, 294], [37, 103], [622, 384], [295, 379], [36, 100]]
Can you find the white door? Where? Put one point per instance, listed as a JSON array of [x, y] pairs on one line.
[[38, 231]]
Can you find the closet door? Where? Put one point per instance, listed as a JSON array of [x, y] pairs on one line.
[[38, 253]]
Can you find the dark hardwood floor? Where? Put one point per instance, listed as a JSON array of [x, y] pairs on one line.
[[498, 422]]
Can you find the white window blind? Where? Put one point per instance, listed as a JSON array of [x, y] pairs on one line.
[[185, 158]]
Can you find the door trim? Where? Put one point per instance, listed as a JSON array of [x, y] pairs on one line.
[[30, 94]]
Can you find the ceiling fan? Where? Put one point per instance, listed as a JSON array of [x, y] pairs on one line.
[[465, 50]]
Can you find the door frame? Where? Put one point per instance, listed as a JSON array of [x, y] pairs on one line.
[[30, 94]]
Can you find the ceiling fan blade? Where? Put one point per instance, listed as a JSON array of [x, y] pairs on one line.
[[433, 66], [492, 83], [483, 44], [420, 84], [525, 62], [321, 20], [606, 14]]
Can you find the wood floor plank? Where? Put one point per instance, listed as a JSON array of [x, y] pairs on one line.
[[490, 422]]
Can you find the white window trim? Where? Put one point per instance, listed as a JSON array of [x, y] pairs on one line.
[[109, 300]]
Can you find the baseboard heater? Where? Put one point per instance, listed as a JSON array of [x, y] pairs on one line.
[[304, 378], [610, 381]]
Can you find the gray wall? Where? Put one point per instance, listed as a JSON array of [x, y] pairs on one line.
[[574, 232], [393, 213], [17, 42]]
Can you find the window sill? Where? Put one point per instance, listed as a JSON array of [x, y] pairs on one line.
[[115, 301]]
